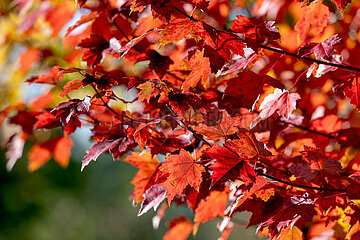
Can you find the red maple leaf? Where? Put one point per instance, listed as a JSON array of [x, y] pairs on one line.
[[53, 77], [184, 171], [180, 229], [238, 95], [147, 165], [256, 30], [323, 50], [281, 101], [226, 126], [210, 208]]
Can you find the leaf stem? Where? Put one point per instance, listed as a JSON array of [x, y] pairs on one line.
[[297, 80]]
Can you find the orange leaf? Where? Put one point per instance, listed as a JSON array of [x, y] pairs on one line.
[[265, 193], [260, 182], [314, 16], [84, 19], [212, 207], [71, 86], [183, 171], [38, 156], [175, 31], [28, 58], [248, 146], [292, 233], [328, 124], [42, 102], [60, 15], [180, 229], [62, 151], [147, 167], [227, 126], [147, 91], [53, 77], [200, 70]]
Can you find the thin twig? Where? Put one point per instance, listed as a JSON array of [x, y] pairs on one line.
[[105, 103], [282, 51], [299, 185], [188, 127]]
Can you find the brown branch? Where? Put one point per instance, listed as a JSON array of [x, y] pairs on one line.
[[185, 14], [299, 185], [282, 51], [200, 137], [346, 67], [303, 128], [105, 103]]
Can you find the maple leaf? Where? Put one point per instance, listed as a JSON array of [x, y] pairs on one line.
[[240, 96], [38, 156], [147, 165], [15, 147], [256, 30], [292, 233], [316, 162], [60, 148], [328, 124], [153, 197], [281, 101], [161, 144], [230, 163], [26, 120], [116, 142], [265, 193], [183, 171], [148, 90], [104, 82], [353, 92], [210, 208], [200, 70], [315, 17], [68, 113], [142, 134], [62, 151], [98, 148], [126, 48], [304, 171], [159, 63], [53, 77], [248, 146], [323, 50], [95, 45], [71, 86], [28, 58], [341, 4], [226, 126], [84, 19], [180, 229], [259, 183], [288, 216], [46, 120], [176, 30]]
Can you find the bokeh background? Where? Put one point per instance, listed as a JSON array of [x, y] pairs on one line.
[[55, 203]]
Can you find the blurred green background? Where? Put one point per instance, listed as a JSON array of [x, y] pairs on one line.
[[55, 203]]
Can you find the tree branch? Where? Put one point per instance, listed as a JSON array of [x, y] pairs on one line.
[[299, 185], [105, 103], [273, 49], [200, 137]]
